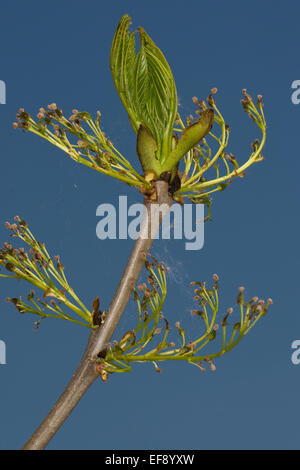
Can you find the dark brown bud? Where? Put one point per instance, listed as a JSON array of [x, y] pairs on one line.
[[240, 297], [9, 267]]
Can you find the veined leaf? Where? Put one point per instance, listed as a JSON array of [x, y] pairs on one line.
[[122, 64], [146, 149], [156, 95], [189, 138], [146, 85]]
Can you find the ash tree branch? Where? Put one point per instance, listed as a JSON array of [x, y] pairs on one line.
[[86, 373]]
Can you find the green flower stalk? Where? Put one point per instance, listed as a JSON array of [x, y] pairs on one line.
[[37, 268], [179, 159], [94, 150], [136, 345]]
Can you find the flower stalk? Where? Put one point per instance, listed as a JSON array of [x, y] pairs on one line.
[[37, 268]]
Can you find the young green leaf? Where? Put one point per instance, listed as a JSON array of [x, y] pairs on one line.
[[122, 64], [146, 149], [146, 86], [155, 94], [190, 137]]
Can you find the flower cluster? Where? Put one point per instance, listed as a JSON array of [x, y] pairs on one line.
[[93, 150], [36, 267], [195, 184], [148, 341]]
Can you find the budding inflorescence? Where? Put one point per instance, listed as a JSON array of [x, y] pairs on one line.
[[35, 266], [201, 158], [137, 345], [94, 149]]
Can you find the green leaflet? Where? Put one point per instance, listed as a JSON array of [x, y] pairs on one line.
[[122, 65], [157, 102], [190, 137], [145, 84], [146, 149]]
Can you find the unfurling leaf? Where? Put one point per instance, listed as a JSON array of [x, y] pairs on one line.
[[122, 65], [190, 137], [146, 86], [146, 149]]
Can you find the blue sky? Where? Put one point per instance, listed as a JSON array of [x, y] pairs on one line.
[[59, 52]]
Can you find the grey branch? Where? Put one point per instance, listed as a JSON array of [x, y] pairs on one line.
[[86, 373]]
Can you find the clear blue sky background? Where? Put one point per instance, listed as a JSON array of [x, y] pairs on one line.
[[59, 51]]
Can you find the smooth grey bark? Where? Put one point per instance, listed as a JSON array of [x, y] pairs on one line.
[[86, 373]]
